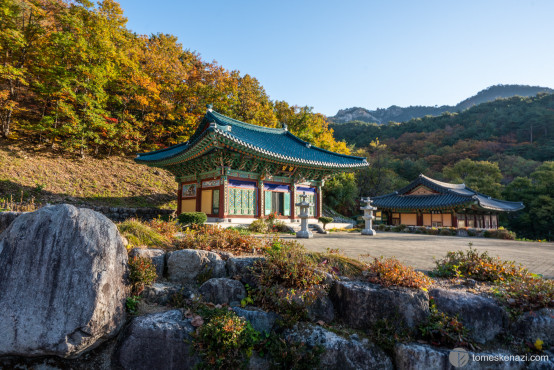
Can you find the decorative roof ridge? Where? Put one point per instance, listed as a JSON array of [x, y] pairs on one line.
[[488, 197], [443, 184], [229, 120], [186, 143]]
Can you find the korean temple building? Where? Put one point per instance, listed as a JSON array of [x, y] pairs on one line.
[[428, 202], [229, 170]]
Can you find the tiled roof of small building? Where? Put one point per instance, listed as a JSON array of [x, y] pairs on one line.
[[447, 196], [274, 143]]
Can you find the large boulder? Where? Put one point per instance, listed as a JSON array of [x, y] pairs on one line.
[[156, 255], [536, 325], [362, 305], [483, 316], [339, 352], [223, 291], [6, 218], [415, 356], [162, 293], [62, 282], [187, 265], [158, 341]]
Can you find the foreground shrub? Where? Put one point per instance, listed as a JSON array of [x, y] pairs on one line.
[[208, 238], [472, 264], [528, 293], [443, 330], [192, 218], [392, 272], [271, 224], [289, 280], [226, 341], [139, 234], [142, 272], [259, 226]]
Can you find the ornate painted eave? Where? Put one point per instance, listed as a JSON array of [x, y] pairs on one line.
[[449, 196], [273, 145]]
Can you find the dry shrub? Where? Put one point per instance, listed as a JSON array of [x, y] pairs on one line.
[[209, 237], [392, 272]]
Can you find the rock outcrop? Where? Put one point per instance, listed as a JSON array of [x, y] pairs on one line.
[[158, 341], [186, 265], [62, 272], [6, 218], [362, 305], [223, 291], [339, 352], [483, 316], [536, 325]]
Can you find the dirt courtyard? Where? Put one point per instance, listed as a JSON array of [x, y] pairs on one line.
[[418, 250]]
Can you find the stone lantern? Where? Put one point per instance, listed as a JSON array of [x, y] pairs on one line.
[[368, 217], [304, 205]]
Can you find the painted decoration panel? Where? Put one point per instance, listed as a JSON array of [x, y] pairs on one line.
[[209, 183], [189, 191]]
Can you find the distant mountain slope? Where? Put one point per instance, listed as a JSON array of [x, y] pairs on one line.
[[399, 114]]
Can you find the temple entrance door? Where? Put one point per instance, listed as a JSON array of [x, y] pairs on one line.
[[277, 202]]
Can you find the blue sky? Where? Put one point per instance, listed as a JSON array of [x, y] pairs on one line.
[[372, 54]]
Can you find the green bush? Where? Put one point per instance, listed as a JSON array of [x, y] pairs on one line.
[[259, 226], [447, 232], [226, 341], [325, 221], [500, 233], [192, 218]]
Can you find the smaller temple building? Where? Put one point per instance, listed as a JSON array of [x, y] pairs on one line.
[[234, 171], [428, 202]]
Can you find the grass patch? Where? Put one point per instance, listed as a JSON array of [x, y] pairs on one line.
[[338, 263], [140, 234], [208, 237]]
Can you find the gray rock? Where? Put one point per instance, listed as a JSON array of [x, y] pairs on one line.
[[158, 341], [536, 325], [413, 356], [186, 265], [339, 352], [259, 319], [161, 293], [222, 291], [62, 281], [322, 309], [6, 218], [156, 255], [362, 305], [242, 268], [483, 316]]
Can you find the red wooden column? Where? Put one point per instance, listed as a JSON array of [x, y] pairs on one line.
[[419, 218], [198, 196], [292, 201], [179, 197], [319, 202], [222, 197], [454, 220]]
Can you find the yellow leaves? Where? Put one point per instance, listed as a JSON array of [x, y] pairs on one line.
[[538, 344]]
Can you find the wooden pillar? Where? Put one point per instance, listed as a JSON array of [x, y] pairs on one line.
[[319, 202], [223, 197], [179, 197], [261, 199], [292, 200], [198, 196], [419, 218], [454, 220]]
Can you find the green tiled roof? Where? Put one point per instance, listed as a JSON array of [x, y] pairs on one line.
[[447, 196], [272, 143]]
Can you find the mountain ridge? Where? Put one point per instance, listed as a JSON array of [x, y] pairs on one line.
[[396, 113]]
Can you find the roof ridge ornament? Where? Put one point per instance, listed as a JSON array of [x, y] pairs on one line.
[[210, 107], [285, 127]]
